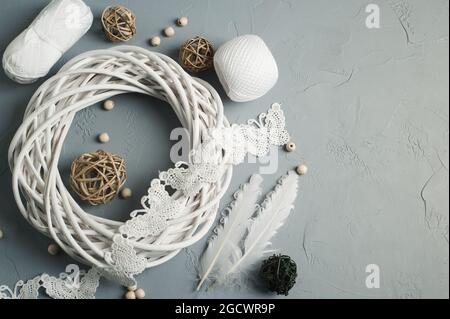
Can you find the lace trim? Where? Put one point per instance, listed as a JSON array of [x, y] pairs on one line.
[[158, 208], [207, 162], [124, 261], [73, 284], [255, 137], [191, 178]]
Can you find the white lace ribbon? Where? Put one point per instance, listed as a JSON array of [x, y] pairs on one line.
[[72, 284], [159, 207], [255, 137]]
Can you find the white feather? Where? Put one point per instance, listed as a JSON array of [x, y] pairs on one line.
[[224, 248], [264, 225]]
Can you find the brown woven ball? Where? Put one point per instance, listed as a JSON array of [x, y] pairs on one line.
[[197, 54], [119, 23], [97, 177]]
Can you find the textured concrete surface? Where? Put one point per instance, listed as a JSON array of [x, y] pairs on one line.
[[368, 109]]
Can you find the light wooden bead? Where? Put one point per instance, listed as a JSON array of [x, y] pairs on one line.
[[155, 41], [140, 293], [290, 147], [1, 234], [302, 169], [103, 138], [53, 249], [182, 21], [169, 32], [130, 295], [108, 105], [126, 193]]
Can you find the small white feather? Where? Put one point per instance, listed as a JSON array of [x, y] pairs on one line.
[[264, 225], [224, 248]]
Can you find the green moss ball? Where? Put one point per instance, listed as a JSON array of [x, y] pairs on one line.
[[279, 273]]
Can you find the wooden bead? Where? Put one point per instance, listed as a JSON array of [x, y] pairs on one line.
[[302, 169], [1, 234], [140, 293], [155, 41], [126, 193], [290, 147], [103, 138], [182, 21], [130, 295], [108, 105], [53, 249], [169, 32]]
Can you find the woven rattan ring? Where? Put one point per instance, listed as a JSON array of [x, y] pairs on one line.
[[197, 54], [119, 23], [35, 150], [97, 177]]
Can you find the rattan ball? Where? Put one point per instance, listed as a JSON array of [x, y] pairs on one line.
[[197, 54], [119, 23], [97, 177], [279, 273]]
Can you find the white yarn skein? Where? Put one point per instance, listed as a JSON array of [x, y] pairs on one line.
[[58, 26], [246, 68]]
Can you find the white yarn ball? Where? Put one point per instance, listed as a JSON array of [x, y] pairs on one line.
[[246, 68], [58, 26]]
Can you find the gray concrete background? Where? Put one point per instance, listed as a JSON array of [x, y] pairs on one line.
[[368, 110]]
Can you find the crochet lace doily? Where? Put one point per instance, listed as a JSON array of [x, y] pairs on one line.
[[180, 205]]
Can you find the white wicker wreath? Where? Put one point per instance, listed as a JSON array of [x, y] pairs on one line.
[[181, 204]]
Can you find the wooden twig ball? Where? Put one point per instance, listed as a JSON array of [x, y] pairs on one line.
[[279, 273], [196, 55], [119, 23], [97, 177]]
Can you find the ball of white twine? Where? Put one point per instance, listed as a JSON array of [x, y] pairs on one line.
[[35, 150], [246, 68]]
